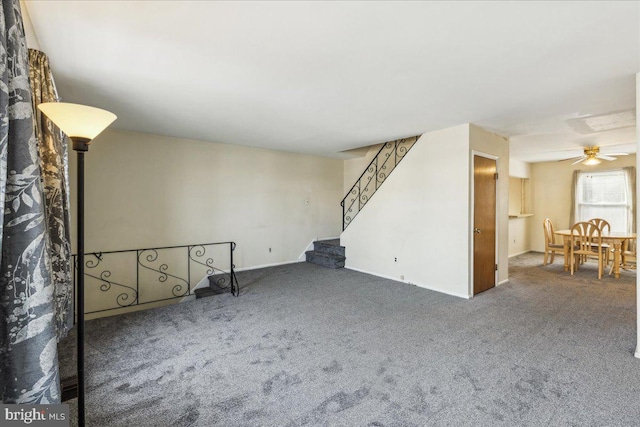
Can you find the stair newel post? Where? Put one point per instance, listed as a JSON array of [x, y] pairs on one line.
[[189, 270], [138, 276], [343, 218], [231, 272]]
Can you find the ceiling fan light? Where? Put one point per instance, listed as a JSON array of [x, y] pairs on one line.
[[591, 161]]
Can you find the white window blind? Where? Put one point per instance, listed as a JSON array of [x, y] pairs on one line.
[[604, 195]]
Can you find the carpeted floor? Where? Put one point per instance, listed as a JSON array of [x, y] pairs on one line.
[[308, 346]]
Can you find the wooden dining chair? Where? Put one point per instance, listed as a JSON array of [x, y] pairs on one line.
[[586, 240], [629, 256], [603, 225], [550, 245]]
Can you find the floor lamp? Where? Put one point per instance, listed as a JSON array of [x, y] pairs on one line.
[[81, 124]]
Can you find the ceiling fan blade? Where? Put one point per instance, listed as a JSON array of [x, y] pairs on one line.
[[573, 158], [578, 161], [603, 157], [617, 154]]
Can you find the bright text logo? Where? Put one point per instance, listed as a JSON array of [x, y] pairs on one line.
[[34, 415]]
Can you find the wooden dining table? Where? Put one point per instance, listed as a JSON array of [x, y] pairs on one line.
[[616, 238]]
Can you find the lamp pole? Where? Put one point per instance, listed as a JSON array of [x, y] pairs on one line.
[[80, 146]]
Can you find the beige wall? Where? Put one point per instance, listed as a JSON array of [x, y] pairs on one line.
[[406, 227], [417, 228], [551, 193], [147, 190], [519, 237], [30, 34]]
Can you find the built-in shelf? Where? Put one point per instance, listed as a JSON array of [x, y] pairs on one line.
[[520, 198]]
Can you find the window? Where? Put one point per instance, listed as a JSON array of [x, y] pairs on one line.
[[605, 195]]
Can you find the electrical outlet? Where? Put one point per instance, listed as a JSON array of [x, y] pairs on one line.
[[395, 260], [402, 277]]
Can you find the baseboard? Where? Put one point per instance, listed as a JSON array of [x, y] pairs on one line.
[[420, 285], [275, 264], [520, 253], [503, 282], [638, 351]]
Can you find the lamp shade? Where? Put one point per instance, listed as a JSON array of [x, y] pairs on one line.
[[77, 120]]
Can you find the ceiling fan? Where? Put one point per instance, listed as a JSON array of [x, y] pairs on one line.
[[592, 157]]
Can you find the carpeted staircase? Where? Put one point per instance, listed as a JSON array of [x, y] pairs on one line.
[[327, 253], [218, 284]]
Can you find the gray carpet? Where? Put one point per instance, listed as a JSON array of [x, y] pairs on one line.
[[308, 346]]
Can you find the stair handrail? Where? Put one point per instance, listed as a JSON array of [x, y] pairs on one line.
[[374, 162], [147, 259]]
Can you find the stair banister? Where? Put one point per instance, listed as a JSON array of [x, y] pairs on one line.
[[170, 272], [400, 148]]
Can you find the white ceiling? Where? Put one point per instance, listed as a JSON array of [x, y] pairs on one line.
[[323, 77]]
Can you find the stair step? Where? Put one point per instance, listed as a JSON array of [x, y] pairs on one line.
[[335, 242], [220, 282], [329, 247], [69, 388], [325, 259], [207, 292]]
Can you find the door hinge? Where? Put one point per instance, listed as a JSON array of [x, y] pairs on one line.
[[495, 176], [496, 267]]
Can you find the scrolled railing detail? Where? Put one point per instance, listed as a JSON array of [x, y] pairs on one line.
[[200, 252], [143, 276], [384, 162], [151, 257], [105, 283]]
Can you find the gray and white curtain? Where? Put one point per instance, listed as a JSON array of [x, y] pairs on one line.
[[30, 295], [54, 165]]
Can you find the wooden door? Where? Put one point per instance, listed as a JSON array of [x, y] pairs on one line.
[[484, 224]]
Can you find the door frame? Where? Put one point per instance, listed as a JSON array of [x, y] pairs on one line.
[[472, 213]]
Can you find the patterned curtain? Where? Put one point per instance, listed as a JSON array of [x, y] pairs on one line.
[[574, 190], [28, 354], [630, 178], [54, 164]]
